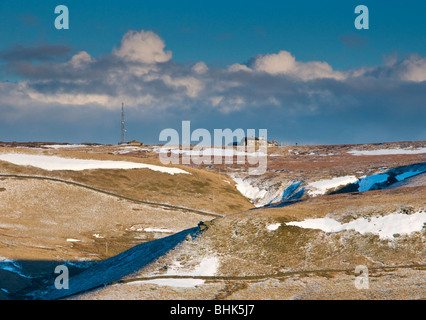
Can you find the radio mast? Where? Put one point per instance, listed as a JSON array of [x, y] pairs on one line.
[[123, 127]]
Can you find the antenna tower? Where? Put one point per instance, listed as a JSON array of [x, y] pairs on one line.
[[123, 127]]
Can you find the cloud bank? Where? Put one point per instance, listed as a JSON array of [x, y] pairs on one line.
[[141, 72]]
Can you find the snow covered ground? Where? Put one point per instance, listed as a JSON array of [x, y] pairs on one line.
[[267, 192], [207, 267], [253, 193], [172, 282], [320, 187], [161, 230], [262, 192], [210, 152], [129, 149], [52, 163], [387, 152], [65, 146], [365, 183], [273, 227], [384, 226]]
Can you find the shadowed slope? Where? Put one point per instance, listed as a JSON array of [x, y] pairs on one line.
[[119, 266]]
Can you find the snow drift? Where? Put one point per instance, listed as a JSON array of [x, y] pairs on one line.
[[52, 163]]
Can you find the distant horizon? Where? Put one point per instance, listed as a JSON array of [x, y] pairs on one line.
[[194, 144]]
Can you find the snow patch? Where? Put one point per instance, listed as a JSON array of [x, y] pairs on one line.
[[386, 152], [52, 163], [172, 282], [267, 192], [65, 146], [210, 152], [139, 228], [320, 187], [207, 267], [384, 226], [249, 191], [158, 230], [273, 227]]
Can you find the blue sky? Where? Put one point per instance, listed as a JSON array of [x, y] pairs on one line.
[[297, 68]]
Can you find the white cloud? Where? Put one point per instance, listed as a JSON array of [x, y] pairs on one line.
[[317, 70], [135, 73], [143, 46], [192, 85], [79, 99], [413, 69], [216, 100], [284, 63], [279, 63], [80, 60], [200, 68], [14, 94], [238, 67], [233, 104]]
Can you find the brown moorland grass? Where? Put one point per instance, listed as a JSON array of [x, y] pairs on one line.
[[396, 284], [240, 240], [247, 248], [201, 189], [39, 220]]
